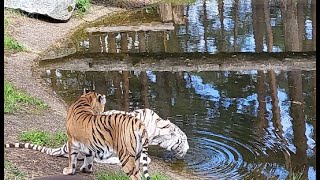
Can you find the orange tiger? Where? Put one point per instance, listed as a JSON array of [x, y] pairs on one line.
[[99, 136]]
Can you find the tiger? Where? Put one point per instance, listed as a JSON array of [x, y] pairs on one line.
[[160, 132], [99, 136]]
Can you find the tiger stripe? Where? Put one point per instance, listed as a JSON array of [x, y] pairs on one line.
[[123, 134]]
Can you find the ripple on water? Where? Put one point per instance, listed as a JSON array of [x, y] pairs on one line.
[[216, 156]]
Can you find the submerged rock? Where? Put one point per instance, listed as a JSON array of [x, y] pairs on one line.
[[56, 9]]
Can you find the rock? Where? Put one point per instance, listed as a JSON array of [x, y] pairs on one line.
[[56, 9]]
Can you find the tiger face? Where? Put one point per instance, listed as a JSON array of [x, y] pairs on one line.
[[172, 139], [182, 145], [97, 101]]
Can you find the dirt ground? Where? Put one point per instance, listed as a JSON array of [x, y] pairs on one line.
[[39, 36]]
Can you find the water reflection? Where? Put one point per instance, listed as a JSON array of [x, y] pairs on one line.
[[219, 26], [240, 124]]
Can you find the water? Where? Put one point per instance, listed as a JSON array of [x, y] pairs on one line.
[[244, 124], [214, 26], [239, 124]]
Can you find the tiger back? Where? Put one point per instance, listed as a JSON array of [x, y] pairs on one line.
[[99, 136]]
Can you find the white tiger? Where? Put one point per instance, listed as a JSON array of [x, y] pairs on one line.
[[160, 132]]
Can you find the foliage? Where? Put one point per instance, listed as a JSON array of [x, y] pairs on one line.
[[35, 137], [44, 138], [13, 99], [12, 44], [9, 42], [12, 172], [123, 176], [82, 5], [111, 176], [58, 139]]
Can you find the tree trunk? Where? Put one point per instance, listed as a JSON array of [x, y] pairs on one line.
[[112, 46], [124, 42], [268, 26], [236, 25], [125, 85], [144, 89], [165, 12], [94, 43], [261, 92], [142, 42], [178, 14], [301, 7], [298, 122], [221, 40], [291, 26], [117, 93], [314, 24], [258, 24]]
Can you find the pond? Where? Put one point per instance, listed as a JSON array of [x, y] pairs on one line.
[[211, 26], [240, 124]]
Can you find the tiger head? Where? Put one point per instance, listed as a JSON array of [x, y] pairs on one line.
[[96, 100], [171, 138]]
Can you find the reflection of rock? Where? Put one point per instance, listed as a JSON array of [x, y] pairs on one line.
[[56, 9]]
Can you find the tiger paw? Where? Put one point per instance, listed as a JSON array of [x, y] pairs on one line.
[[86, 169], [67, 171]]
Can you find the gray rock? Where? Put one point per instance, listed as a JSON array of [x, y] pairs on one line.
[[56, 9]]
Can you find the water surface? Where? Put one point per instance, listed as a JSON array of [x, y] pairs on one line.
[[239, 124], [213, 26], [249, 124]]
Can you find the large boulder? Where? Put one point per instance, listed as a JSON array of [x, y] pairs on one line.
[[56, 9]]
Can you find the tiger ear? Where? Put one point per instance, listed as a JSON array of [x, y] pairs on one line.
[[102, 99]]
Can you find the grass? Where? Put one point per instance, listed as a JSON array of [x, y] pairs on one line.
[[10, 44], [14, 100], [82, 7], [44, 138], [123, 176], [12, 172]]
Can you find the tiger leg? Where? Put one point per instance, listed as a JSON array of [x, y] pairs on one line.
[[129, 166], [88, 163], [73, 152]]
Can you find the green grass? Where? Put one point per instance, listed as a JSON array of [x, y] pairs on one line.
[[82, 5], [44, 138], [123, 176], [10, 43], [11, 172], [14, 100]]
